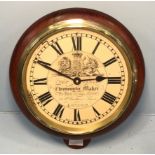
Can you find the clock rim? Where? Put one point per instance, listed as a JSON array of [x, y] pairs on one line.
[[85, 14]]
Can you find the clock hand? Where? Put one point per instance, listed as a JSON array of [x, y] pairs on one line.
[[51, 69], [98, 79], [77, 80]]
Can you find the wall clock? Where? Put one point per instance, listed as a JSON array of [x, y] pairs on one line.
[[77, 73]]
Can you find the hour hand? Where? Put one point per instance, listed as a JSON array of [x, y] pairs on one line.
[[98, 79], [111, 80], [47, 66]]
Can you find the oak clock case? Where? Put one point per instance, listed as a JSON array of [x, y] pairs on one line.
[[77, 73]]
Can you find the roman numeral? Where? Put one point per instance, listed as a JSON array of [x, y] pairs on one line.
[[44, 64], [110, 61], [42, 81], [77, 43], [77, 115], [96, 48], [45, 98], [59, 110], [57, 48], [108, 98], [114, 80], [96, 112]]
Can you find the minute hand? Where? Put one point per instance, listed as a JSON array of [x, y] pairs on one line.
[[49, 68]]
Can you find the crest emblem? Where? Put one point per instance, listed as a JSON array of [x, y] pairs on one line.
[[78, 65]]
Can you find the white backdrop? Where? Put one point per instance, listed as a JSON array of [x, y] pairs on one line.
[[135, 135]]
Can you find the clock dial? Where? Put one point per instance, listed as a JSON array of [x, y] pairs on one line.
[[77, 80]]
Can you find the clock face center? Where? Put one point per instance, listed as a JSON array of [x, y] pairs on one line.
[[84, 89], [77, 80]]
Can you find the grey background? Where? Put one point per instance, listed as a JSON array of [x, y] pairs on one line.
[[135, 135]]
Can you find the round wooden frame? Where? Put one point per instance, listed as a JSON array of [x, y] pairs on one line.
[[86, 14]]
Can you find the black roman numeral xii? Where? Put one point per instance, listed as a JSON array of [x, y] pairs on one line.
[[77, 43]]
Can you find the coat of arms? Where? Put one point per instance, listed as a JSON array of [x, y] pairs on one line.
[[78, 65]]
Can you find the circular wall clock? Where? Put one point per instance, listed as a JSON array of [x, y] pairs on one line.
[[77, 73]]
